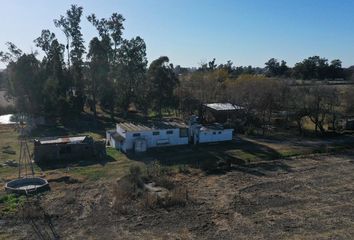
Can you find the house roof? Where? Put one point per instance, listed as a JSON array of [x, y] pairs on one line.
[[223, 106], [62, 140], [151, 126]]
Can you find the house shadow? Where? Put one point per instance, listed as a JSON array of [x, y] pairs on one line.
[[218, 158]]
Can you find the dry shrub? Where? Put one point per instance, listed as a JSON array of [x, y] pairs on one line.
[[127, 188], [122, 194], [176, 197]]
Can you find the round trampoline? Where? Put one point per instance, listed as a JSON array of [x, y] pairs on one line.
[[27, 185]]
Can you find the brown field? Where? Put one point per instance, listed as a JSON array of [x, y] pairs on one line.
[[297, 198]]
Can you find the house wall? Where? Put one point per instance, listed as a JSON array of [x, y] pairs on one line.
[[210, 135], [121, 131], [155, 140], [112, 141]]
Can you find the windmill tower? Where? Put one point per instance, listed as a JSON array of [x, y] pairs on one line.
[[26, 183], [25, 166]]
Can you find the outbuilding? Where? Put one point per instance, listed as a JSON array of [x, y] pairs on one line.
[[68, 148]]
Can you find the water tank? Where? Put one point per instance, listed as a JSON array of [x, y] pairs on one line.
[[140, 145]]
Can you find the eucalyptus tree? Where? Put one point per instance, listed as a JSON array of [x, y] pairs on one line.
[[70, 25], [131, 70], [162, 82], [103, 52]]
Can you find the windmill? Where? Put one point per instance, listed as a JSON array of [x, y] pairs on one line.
[[26, 183], [25, 166]]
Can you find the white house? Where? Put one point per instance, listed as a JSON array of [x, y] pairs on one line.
[[129, 136], [138, 138]]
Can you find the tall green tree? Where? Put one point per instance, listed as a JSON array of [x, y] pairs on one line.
[[110, 33], [131, 70], [98, 69], [26, 84], [162, 81], [70, 24]]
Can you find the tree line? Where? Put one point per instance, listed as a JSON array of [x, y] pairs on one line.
[[113, 73]]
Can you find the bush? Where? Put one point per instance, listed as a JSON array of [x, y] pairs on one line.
[[183, 169], [11, 202]]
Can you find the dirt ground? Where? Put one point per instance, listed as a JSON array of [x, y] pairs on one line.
[[297, 198]]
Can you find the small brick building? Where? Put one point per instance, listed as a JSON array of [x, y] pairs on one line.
[[74, 148]]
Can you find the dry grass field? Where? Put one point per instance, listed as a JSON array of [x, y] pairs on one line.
[[310, 198]]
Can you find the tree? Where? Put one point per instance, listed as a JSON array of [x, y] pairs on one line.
[[335, 69], [99, 68], [276, 69], [13, 54], [321, 102], [45, 40], [70, 25], [297, 107], [26, 84], [110, 32], [131, 69], [312, 68], [272, 67], [162, 82]]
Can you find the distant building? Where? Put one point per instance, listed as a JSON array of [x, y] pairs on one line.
[[219, 112], [68, 148]]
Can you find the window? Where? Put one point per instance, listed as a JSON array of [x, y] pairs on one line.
[[183, 132], [214, 133], [169, 132], [219, 132], [136, 134], [155, 133]]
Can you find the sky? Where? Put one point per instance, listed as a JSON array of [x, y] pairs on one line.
[[190, 32]]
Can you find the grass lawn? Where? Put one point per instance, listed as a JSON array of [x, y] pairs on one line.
[[117, 165]]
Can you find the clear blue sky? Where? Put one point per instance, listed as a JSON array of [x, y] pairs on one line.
[[247, 32]]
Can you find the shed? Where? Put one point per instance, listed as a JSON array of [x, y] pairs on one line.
[[219, 112], [67, 148]]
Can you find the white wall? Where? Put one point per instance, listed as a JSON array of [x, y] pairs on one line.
[[121, 131], [220, 135], [152, 140]]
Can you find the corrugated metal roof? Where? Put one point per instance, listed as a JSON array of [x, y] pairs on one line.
[[152, 126], [223, 106], [62, 140]]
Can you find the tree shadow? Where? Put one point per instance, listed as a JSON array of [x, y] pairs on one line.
[[74, 126], [51, 165]]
